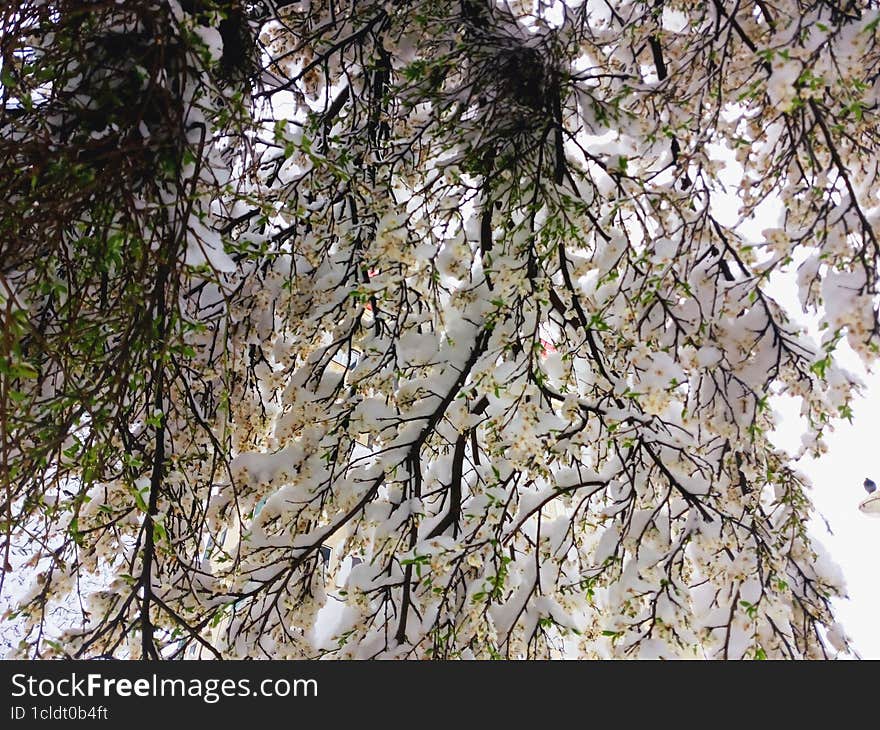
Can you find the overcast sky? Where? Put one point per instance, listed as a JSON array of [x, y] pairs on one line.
[[853, 448], [853, 454]]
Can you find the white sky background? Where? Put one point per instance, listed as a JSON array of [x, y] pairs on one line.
[[837, 477], [853, 448], [854, 542]]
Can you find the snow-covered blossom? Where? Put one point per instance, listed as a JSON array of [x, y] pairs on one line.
[[414, 334]]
